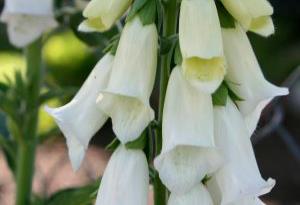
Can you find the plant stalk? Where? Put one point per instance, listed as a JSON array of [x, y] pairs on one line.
[[170, 17], [27, 146]]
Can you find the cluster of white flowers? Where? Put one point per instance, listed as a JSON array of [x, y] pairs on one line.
[[27, 20], [207, 156]]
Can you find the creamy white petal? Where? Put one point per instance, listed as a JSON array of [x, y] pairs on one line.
[[245, 78], [188, 151], [201, 44], [125, 180], [30, 7], [102, 14], [81, 118], [240, 176], [249, 201], [197, 196], [126, 98], [23, 29], [253, 15]]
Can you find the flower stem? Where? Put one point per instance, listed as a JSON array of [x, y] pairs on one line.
[[169, 28], [27, 146]]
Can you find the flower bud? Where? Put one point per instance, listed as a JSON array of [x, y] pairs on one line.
[[102, 14]]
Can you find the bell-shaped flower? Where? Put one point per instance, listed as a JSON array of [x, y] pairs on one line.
[[102, 14], [126, 98], [201, 44], [198, 195], [245, 78], [81, 118], [254, 15], [239, 177], [27, 20], [125, 180], [188, 150]]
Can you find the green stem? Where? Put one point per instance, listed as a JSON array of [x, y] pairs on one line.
[[169, 28], [27, 147]]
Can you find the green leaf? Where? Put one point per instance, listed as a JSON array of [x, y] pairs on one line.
[[220, 96], [177, 54], [113, 145], [148, 13], [226, 20], [137, 5], [167, 43], [75, 196], [138, 143], [9, 150]]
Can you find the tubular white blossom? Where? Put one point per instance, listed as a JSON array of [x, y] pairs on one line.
[[126, 98], [254, 15], [198, 195], [245, 77], [27, 20], [201, 44], [188, 151], [125, 180], [102, 14], [240, 176], [81, 118]]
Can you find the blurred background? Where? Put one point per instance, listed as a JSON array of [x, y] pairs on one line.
[[69, 58]]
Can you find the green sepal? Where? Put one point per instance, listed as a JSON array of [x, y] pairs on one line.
[[177, 54], [234, 97], [167, 43], [136, 7], [112, 45], [148, 13], [206, 179], [139, 143], [226, 19], [220, 96], [113, 145]]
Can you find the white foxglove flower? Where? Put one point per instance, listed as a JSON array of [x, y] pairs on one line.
[[102, 14], [81, 118], [240, 176], [198, 195], [254, 15], [188, 151], [27, 20], [126, 98], [245, 78], [125, 180], [201, 44]]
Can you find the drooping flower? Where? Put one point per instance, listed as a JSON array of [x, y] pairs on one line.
[[188, 151], [198, 195], [245, 78], [239, 177], [27, 20], [201, 44], [126, 98], [254, 15], [102, 14], [81, 118], [125, 180]]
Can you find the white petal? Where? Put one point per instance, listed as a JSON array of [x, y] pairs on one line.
[[30, 7], [188, 151], [240, 176], [23, 29], [125, 180], [102, 14], [253, 15], [126, 98], [201, 44], [197, 196], [80, 119], [249, 201], [245, 78]]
